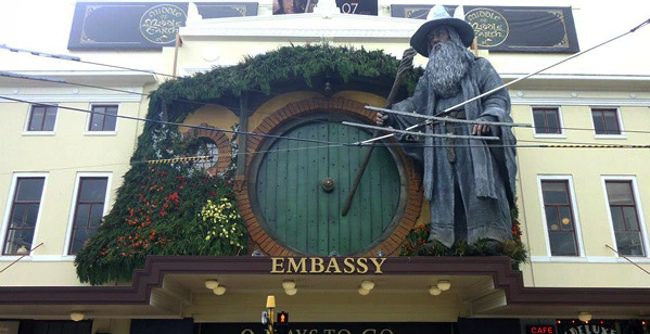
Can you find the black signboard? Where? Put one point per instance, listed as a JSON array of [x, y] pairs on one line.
[[333, 328], [607, 326], [512, 29], [363, 7], [212, 10], [140, 25]]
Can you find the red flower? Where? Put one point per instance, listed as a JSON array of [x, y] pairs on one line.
[[174, 197]]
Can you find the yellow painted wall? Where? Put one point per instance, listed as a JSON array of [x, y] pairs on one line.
[[60, 156]]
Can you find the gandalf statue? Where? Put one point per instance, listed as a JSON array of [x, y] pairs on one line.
[[470, 183]]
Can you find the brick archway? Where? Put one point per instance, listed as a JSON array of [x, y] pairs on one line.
[[261, 238], [223, 145]]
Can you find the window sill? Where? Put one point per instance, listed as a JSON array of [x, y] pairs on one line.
[[38, 133], [586, 259], [617, 137], [550, 135], [37, 258], [100, 133]]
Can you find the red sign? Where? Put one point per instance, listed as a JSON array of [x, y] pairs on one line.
[[542, 329]]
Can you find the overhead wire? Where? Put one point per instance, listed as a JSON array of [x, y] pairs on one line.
[[60, 81], [189, 126], [79, 60], [539, 143], [505, 85]]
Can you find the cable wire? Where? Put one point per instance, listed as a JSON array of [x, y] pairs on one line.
[[198, 127], [79, 60]]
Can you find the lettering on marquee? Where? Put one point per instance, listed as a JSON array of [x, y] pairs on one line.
[[332, 265]]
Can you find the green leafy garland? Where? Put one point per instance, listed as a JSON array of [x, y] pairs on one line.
[[417, 243]]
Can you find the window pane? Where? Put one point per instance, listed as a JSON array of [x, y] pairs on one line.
[[553, 121], [619, 193], [89, 210], [109, 121], [79, 237], [50, 117], [92, 190], [29, 190], [96, 213], [540, 124], [631, 221], [82, 215], [611, 123], [629, 243], [17, 239], [617, 218], [19, 216], [36, 119], [563, 244], [599, 124], [552, 220], [555, 192], [96, 121], [566, 219]]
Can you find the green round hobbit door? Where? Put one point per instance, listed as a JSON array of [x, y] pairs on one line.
[[300, 186]]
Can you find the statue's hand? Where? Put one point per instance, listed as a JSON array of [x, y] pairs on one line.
[[380, 118], [483, 129], [480, 129]]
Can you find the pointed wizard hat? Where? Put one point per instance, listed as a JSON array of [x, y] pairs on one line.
[[437, 17]]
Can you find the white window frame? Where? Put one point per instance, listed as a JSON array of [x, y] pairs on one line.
[[26, 131], [9, 206], [639, 208], [561, 135], [87, 131], [73, 204], [619, 119], [576, 216]]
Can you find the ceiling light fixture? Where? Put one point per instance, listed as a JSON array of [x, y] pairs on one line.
[[77, 316]]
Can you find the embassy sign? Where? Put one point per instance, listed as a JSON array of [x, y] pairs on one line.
[[332, 265]]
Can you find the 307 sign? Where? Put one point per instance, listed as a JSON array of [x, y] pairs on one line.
[[363, 7]]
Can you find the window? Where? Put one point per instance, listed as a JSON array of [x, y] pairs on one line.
[[606, 121], [547, 120], [103, 118], [88, 212], [23, 216], [205, 147], [560, 222], [42, 118], [625, 218]]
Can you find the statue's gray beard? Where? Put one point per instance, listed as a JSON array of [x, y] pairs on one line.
[[445, 69]]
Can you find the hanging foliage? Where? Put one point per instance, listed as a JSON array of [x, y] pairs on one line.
[[417, 243]]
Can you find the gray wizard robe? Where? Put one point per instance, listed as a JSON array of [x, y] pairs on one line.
[[470, 185]]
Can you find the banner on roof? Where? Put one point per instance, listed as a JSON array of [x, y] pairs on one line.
[[140, 25], [512, 29]]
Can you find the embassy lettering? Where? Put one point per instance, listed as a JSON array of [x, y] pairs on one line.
[[333, 265]]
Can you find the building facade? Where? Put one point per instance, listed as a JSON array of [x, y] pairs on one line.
[[263, 94]]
